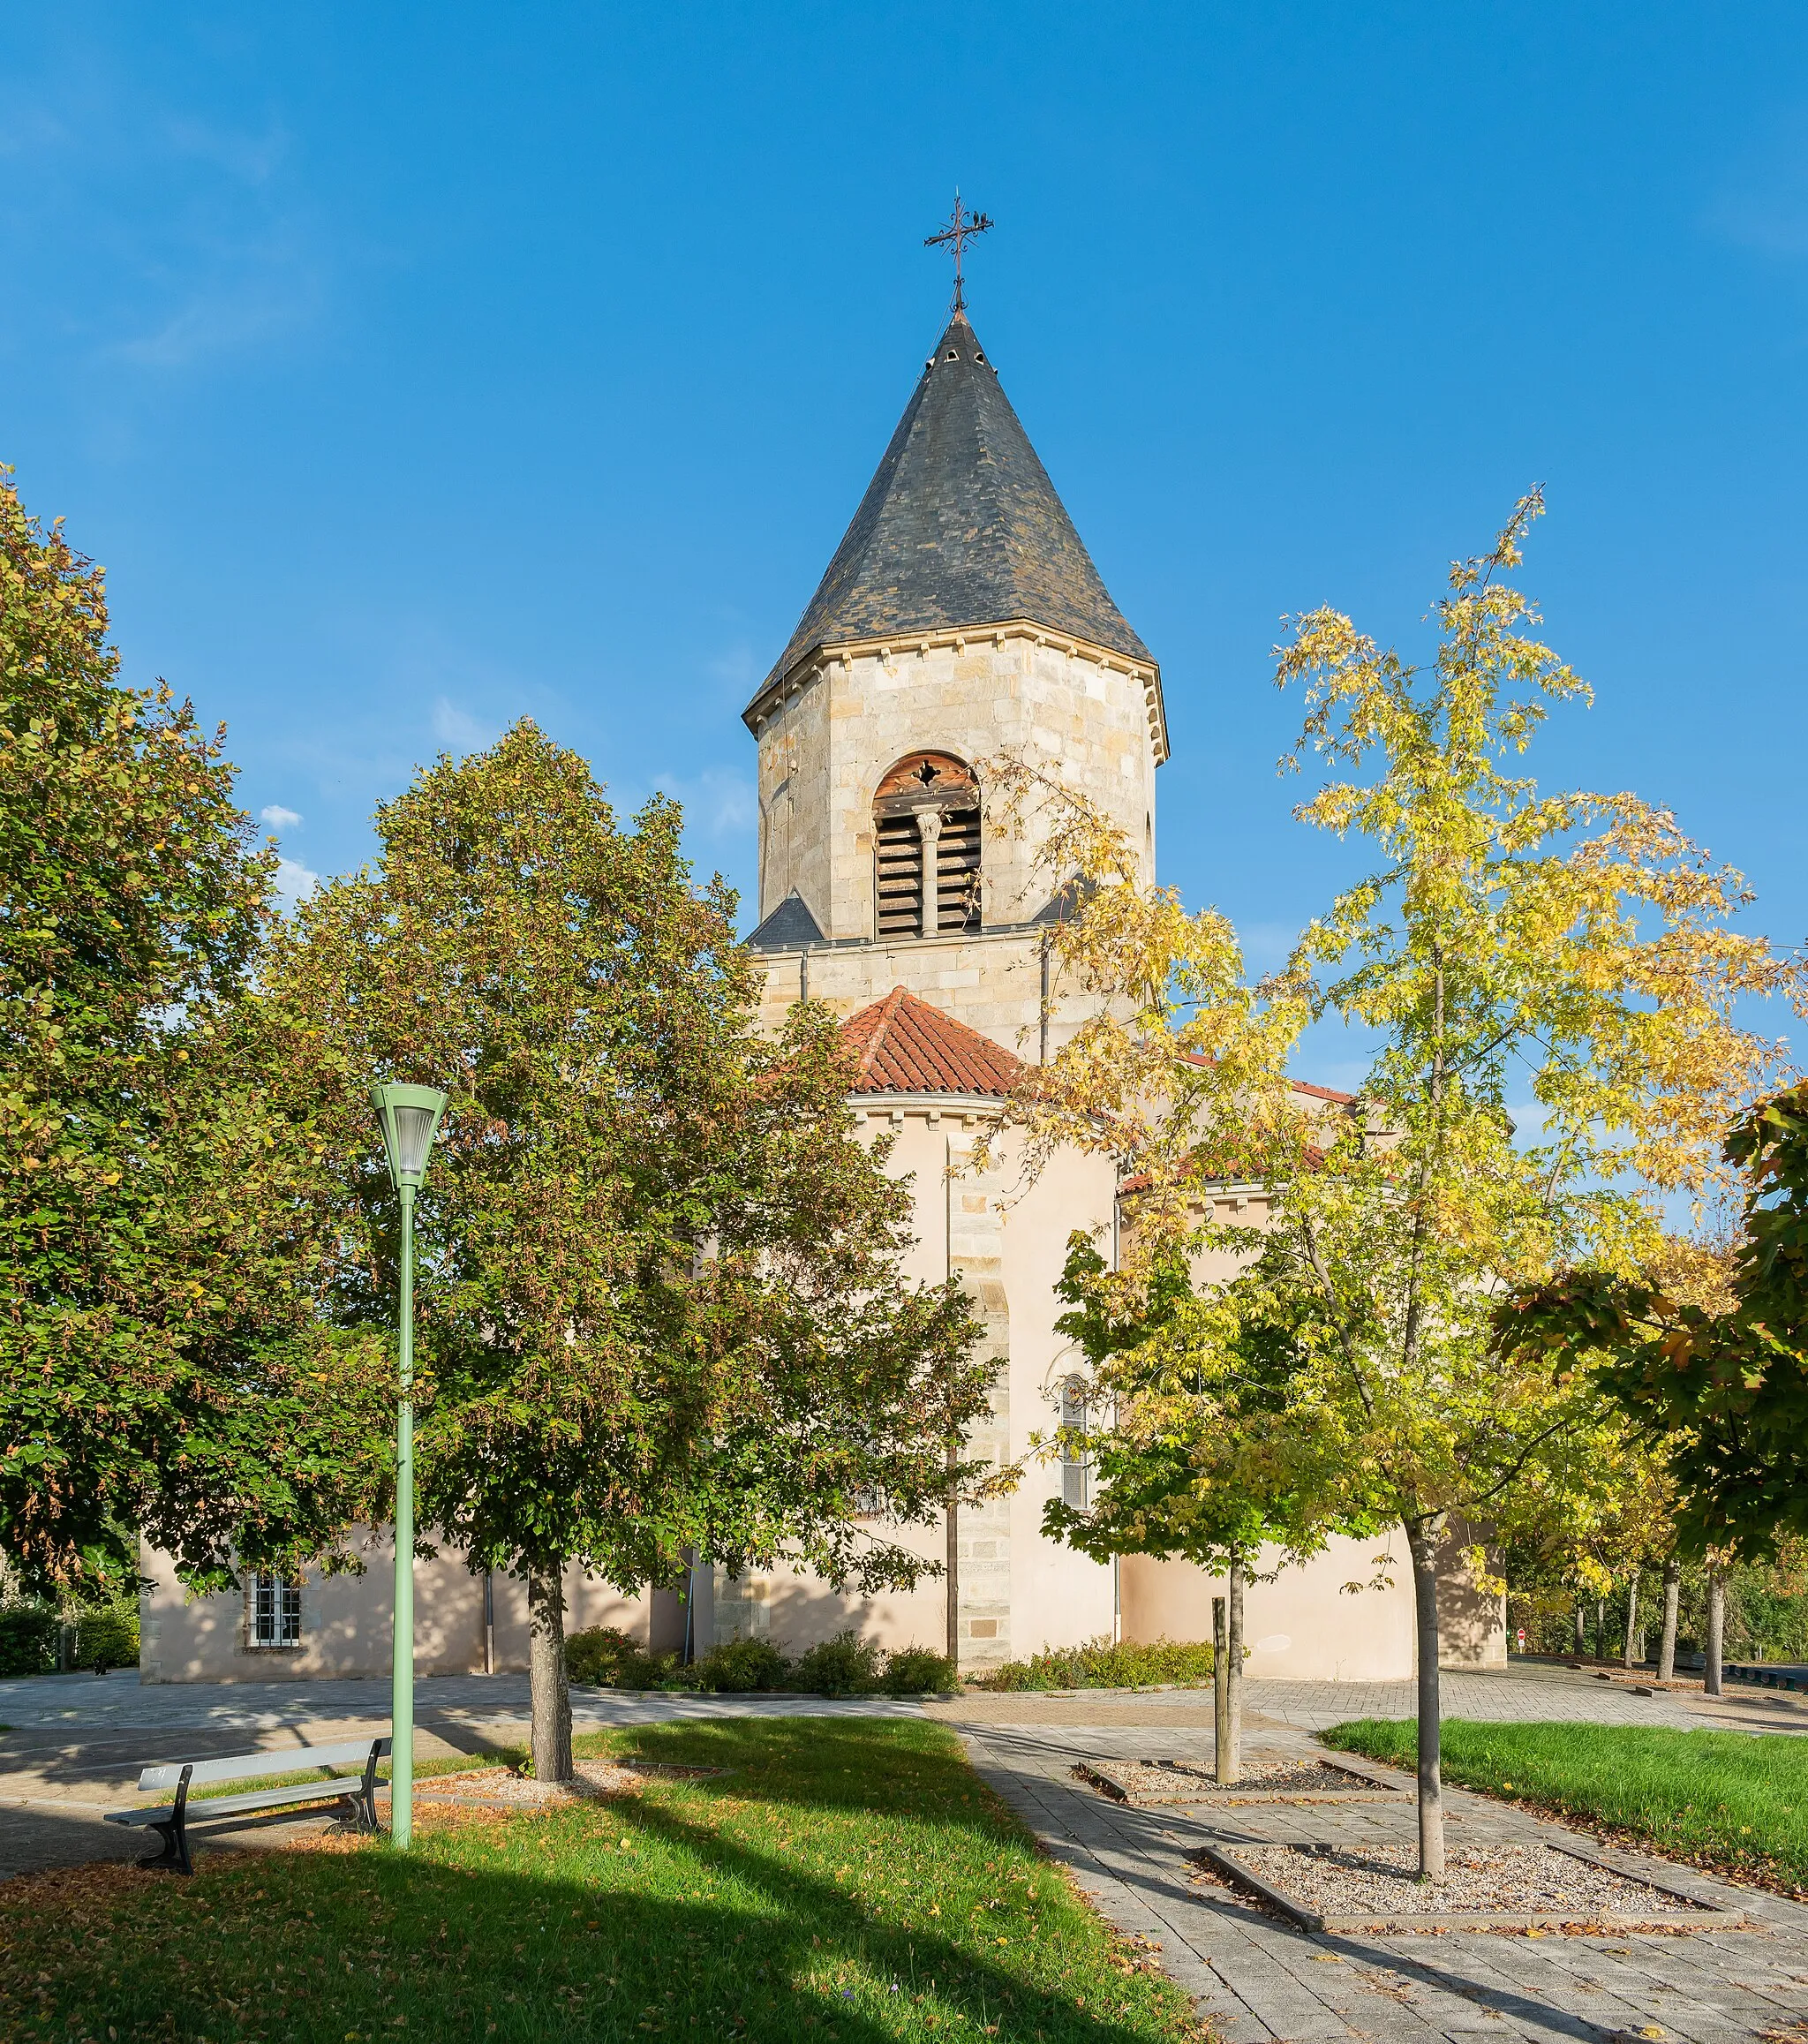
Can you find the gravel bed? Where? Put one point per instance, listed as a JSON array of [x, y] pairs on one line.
[[1136, 1781], [502, 1787], [1523, 1877]]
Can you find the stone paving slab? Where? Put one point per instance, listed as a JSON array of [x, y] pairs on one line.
[[91, 1703], [1258, 1980]]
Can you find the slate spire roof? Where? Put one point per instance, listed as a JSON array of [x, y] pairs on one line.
[[904, 1045], [960, 525]]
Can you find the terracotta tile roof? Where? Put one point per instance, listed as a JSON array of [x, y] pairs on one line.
[[1298, 1085], [904, 1045], [1324, 1093]]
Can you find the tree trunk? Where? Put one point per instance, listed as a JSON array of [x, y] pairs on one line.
[[1233, 1664], [1581, 1631], [549, 1692], [1422, 1541], [1600, 1628], [1631, 1618], [951, 1561], [1667, 1645], [1221, 1691], [1717, 1624]]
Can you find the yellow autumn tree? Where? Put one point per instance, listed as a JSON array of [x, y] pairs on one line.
[[1575, 951]]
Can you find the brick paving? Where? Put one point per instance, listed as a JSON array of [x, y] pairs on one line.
[[1256, 1980]]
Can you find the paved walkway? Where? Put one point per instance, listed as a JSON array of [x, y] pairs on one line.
[[1256, 1980], [87, 1703], [75, 1742], [1523, 1693]]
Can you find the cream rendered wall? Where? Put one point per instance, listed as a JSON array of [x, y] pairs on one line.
[[1306, 1625], [346, 1622], [1018, 1591], [1301, 1625], [1060, 1597]]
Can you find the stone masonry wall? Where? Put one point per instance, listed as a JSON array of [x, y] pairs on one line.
[[825, 748]]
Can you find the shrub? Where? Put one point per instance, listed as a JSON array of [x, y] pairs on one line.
[[739, 1665], [1102, 1664], [918, 1671], [28, 1641], [107, 1638], [843, 1666], [603, 1657]]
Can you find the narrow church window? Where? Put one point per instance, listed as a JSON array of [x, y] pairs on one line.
[[1073, 1469], [926, 859], [275, 1612]]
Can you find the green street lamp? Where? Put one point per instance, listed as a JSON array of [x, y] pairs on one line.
[[410, 1115]]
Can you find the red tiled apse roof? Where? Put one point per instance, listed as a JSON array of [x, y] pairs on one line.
[[904, 1045]]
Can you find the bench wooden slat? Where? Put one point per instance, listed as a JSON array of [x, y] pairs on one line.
[[358, 1791], [202, 1807], [245, 1766]]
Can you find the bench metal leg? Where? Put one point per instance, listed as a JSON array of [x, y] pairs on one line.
[[174, 1832], [175, 1852]]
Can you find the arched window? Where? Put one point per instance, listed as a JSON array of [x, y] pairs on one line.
[[1075, 1423], [926, 847]]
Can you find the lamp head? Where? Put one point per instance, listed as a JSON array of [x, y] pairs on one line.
[[409, 1116]]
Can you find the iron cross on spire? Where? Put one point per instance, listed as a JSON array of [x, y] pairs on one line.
[[960, 224]]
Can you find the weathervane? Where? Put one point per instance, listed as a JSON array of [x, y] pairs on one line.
[[960, 224]]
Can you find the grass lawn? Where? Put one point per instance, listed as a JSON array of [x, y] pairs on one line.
[[1723, 1800], [846, 1879]]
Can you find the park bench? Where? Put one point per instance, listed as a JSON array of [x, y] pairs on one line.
[[172, 1819]]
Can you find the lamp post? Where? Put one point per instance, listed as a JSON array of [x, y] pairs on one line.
[[410, 1115]]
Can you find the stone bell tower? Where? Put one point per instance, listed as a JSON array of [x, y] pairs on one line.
[[960, 617]]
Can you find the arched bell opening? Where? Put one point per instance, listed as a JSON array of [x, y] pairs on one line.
[[926, 841]]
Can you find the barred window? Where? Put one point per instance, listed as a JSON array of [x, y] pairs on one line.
[[926, 847], [1074, 1464], [275, 1612]]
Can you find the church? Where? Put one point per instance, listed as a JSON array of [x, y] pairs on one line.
[[961, 616]]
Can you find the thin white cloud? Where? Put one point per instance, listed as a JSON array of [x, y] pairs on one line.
[[1764, 203], [205, 237], [271, 297], [734, 666], [252, 159], [457, 729], [295, 882], [278, 817], [1266, 946], [717, 802]]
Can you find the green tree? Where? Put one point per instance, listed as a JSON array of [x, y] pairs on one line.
[[660, 1308], [145, 1382], [1189, 1388], [1717, 1382]]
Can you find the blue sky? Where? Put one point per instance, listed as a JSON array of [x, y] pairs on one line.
[[414, 367]]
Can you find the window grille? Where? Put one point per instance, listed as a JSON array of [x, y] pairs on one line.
[[1074, 1464], [926, 848], [275, 1612]]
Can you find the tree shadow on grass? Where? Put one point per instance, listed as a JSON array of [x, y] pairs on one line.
[[321, 1949], [519, 1928]]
